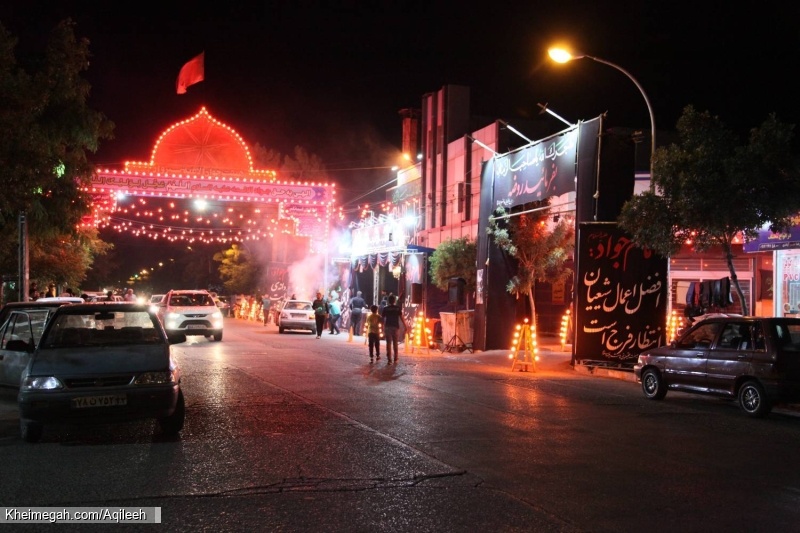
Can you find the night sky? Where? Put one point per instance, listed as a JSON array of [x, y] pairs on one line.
[[332, 76]]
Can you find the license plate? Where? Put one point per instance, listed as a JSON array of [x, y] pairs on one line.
[[110, 400], [195, 326]]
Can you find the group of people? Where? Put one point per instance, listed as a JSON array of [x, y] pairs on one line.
[[388, 316], [51, 292], [327, 313]]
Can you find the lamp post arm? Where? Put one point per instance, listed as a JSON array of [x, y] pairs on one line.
[[649, 109]]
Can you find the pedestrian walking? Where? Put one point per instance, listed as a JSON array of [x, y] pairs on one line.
[[266, 303], [374, 332], [321, 310], [392, 319], [384, 301], [357, 306], [335, 308]]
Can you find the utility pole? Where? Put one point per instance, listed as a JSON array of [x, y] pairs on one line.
[[23, 279]]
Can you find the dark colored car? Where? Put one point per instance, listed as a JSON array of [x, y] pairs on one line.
[[755, 360], [101, 362]]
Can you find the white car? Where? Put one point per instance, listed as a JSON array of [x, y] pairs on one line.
[[297, 314], [191, 312], [155, 299]]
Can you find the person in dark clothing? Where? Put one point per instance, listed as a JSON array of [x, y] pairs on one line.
[[321, 310], [384, 301], [392, 319], [357, 306]]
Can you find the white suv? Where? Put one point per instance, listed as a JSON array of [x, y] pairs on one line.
[[191, 313]]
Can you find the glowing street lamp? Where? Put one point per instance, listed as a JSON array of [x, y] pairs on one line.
[[560, 55]]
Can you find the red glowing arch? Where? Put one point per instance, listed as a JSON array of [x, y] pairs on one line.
[[201, 142]]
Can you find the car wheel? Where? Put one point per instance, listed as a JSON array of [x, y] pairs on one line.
[[753, 400], [31, 431], [218, 336], [173, 424], [280, 330], [653, 385]]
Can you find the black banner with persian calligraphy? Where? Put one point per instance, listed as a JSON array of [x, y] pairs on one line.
[[277, 282], [620, 296], [536, 172]]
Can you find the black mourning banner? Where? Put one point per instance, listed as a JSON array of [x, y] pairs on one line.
[[620, 296], [539, 171], [277, 279]]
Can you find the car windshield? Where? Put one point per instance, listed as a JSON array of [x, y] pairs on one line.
[[299, 306], [190, 300], [97, 327]]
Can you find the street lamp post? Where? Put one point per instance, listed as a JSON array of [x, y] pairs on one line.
[[560, 55]]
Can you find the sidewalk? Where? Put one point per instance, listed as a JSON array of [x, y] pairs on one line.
[[553, 357]]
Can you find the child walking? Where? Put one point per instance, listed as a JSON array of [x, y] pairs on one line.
[[374, 332]]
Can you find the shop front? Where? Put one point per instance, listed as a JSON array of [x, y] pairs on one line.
[[777, 270]]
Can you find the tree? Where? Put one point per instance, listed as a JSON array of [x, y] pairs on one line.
[[708, 188], [64, 259], [238, 271], [47, 130], [455, 259], [541, 251]]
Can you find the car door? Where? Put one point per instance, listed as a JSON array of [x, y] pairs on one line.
[[685, 365], [730, 356], [18, 337]]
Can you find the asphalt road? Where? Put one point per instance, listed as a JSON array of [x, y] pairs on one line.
[[292, 433]]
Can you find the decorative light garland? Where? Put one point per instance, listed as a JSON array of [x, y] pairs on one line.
[[566, 327], [422, 337], [524, 340], [674, 325]]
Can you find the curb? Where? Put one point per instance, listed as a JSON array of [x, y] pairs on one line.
[[605, 373]]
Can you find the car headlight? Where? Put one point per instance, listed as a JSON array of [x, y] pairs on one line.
[[173, 316], [216, 316], [155, 378], [42, 383]]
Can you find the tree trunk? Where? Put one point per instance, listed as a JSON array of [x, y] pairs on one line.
[[533, 306], [735, 281]]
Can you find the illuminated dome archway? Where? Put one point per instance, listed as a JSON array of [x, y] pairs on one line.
[[202, 142], [202, 158]]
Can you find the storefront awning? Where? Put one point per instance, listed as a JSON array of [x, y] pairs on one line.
[[390, 258]]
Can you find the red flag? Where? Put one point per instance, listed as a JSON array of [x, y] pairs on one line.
[[191, 73]]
